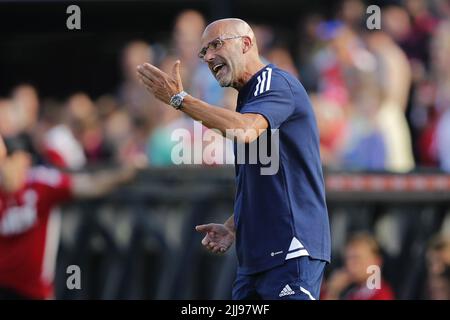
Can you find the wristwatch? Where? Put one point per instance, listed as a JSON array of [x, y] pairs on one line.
[[177, 99]]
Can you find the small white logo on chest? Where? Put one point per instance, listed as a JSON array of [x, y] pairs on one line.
[[275, 253]]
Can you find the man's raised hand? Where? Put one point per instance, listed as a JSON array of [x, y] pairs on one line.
[[159, 83]]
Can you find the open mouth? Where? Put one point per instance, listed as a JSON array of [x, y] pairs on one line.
[[216, 68]]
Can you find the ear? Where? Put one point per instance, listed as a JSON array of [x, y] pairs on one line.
[[247, 43]]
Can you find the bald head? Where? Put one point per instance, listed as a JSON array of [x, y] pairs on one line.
[[229, 27], [229, 47]]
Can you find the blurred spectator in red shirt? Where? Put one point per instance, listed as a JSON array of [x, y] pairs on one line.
[[29, 225], [352, 282]]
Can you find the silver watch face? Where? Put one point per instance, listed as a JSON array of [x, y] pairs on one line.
[[176, 101]]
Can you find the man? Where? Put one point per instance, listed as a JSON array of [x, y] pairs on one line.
[[29, 227], [280, 221], [362, 259]]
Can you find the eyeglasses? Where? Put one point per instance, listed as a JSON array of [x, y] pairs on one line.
[[215, 45]]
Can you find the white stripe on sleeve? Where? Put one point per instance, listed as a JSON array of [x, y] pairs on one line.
[[257, 86], [262, 89], [269, 78]]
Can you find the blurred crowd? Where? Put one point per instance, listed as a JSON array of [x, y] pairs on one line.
[[382, 97], [361, 276]]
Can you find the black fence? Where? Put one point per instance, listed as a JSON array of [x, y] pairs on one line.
[[140, 242]]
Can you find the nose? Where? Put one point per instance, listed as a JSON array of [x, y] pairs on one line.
[[209, 56]]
